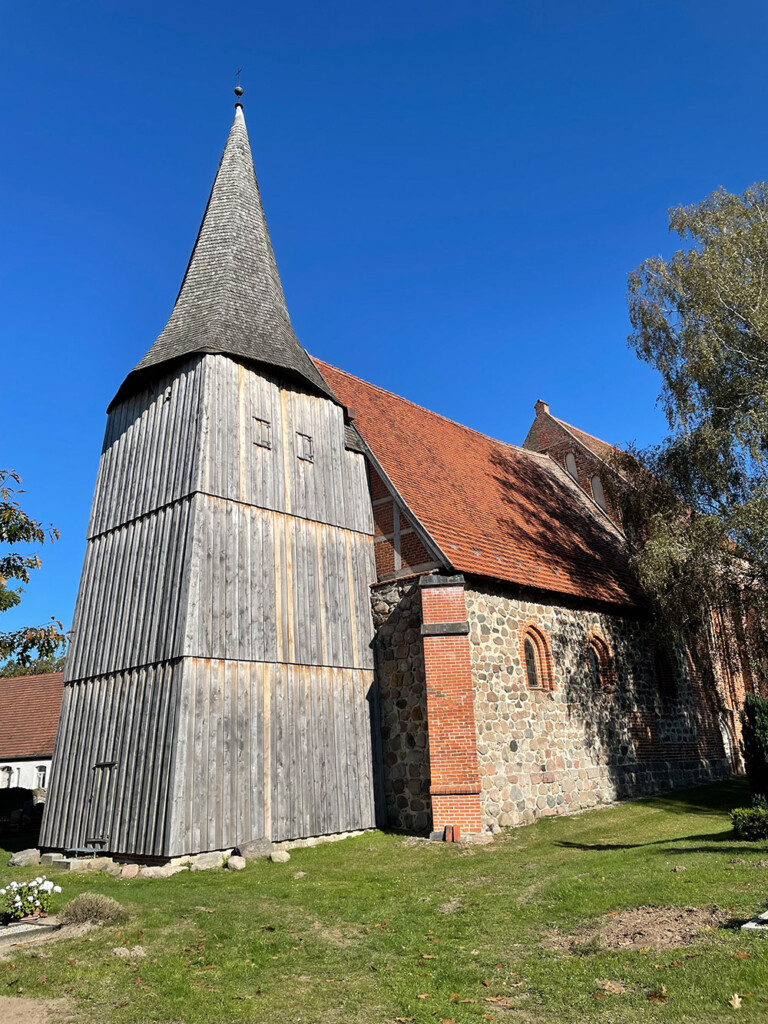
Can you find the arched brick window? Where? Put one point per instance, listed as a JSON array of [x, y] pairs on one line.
[[536, 657], [600, 661], [598, 493]]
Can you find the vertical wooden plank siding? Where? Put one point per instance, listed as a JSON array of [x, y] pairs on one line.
[[221, 652], [126, 718]]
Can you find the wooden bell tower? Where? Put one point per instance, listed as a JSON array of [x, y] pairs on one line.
[[219, 682]]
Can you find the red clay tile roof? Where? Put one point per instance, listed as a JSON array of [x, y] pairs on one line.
[[493, 509], [29, 715]]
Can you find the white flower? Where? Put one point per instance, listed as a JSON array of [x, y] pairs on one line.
[[57, 888]]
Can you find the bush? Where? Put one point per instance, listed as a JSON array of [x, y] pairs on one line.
[[750, 823], [754, 724], [22, 899], [91, 908]]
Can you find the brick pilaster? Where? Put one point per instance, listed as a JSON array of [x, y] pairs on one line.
[[455, 781]]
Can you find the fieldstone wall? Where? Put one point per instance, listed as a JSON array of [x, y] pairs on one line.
[[402, 704], [544, 752]]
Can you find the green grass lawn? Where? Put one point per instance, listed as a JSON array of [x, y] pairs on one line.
[[380, 928]]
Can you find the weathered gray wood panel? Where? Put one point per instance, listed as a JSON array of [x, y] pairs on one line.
[[271, 587], [131, 605], [150, 454], [277, 751], [322, 762], [238, 401], [128, 718]]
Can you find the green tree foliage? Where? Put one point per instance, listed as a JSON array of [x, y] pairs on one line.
[[754, 723], [17, 528], [696, 506], [35, 667]]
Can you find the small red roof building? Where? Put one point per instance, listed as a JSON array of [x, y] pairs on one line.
[[29, 715]]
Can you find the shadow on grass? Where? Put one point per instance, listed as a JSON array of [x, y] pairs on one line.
[[706, 837], [718, 798], [23, 839]]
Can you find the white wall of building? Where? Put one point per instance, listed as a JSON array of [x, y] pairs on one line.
[[31, 773]]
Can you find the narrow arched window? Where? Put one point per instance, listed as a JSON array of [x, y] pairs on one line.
[[42, 772], [570, 465], [536, 658], [597, 492], [530, 664], [600, 660], [594, 666]]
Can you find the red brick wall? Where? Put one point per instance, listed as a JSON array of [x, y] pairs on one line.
[[455, 783]]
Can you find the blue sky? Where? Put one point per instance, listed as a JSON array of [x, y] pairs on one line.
[[456, 192]]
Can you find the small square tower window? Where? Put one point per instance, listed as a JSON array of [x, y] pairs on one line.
[[306, 451], [262, 433]]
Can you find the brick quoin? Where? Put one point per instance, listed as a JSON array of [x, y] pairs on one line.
[[455, 780]]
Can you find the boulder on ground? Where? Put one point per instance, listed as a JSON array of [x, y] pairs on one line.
[[255, 848], [86, 863], [279, 856], [135, 953], [159, 871], [24, 858], [206, 861], [129, 870], [235, 863]]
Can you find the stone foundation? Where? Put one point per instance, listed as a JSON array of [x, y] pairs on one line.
[[403, 704]]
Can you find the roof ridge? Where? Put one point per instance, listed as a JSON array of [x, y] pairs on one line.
[[36, 675], [416, 405], [594, 437]]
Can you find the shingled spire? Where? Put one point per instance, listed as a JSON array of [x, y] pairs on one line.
[[231, 300]]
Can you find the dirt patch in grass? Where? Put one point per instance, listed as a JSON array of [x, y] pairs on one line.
[[33, 1011], [450, 906], [67, 931], [642, 928], [336, 937]]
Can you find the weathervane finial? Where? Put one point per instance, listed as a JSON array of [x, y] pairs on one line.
[[238, 88]]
